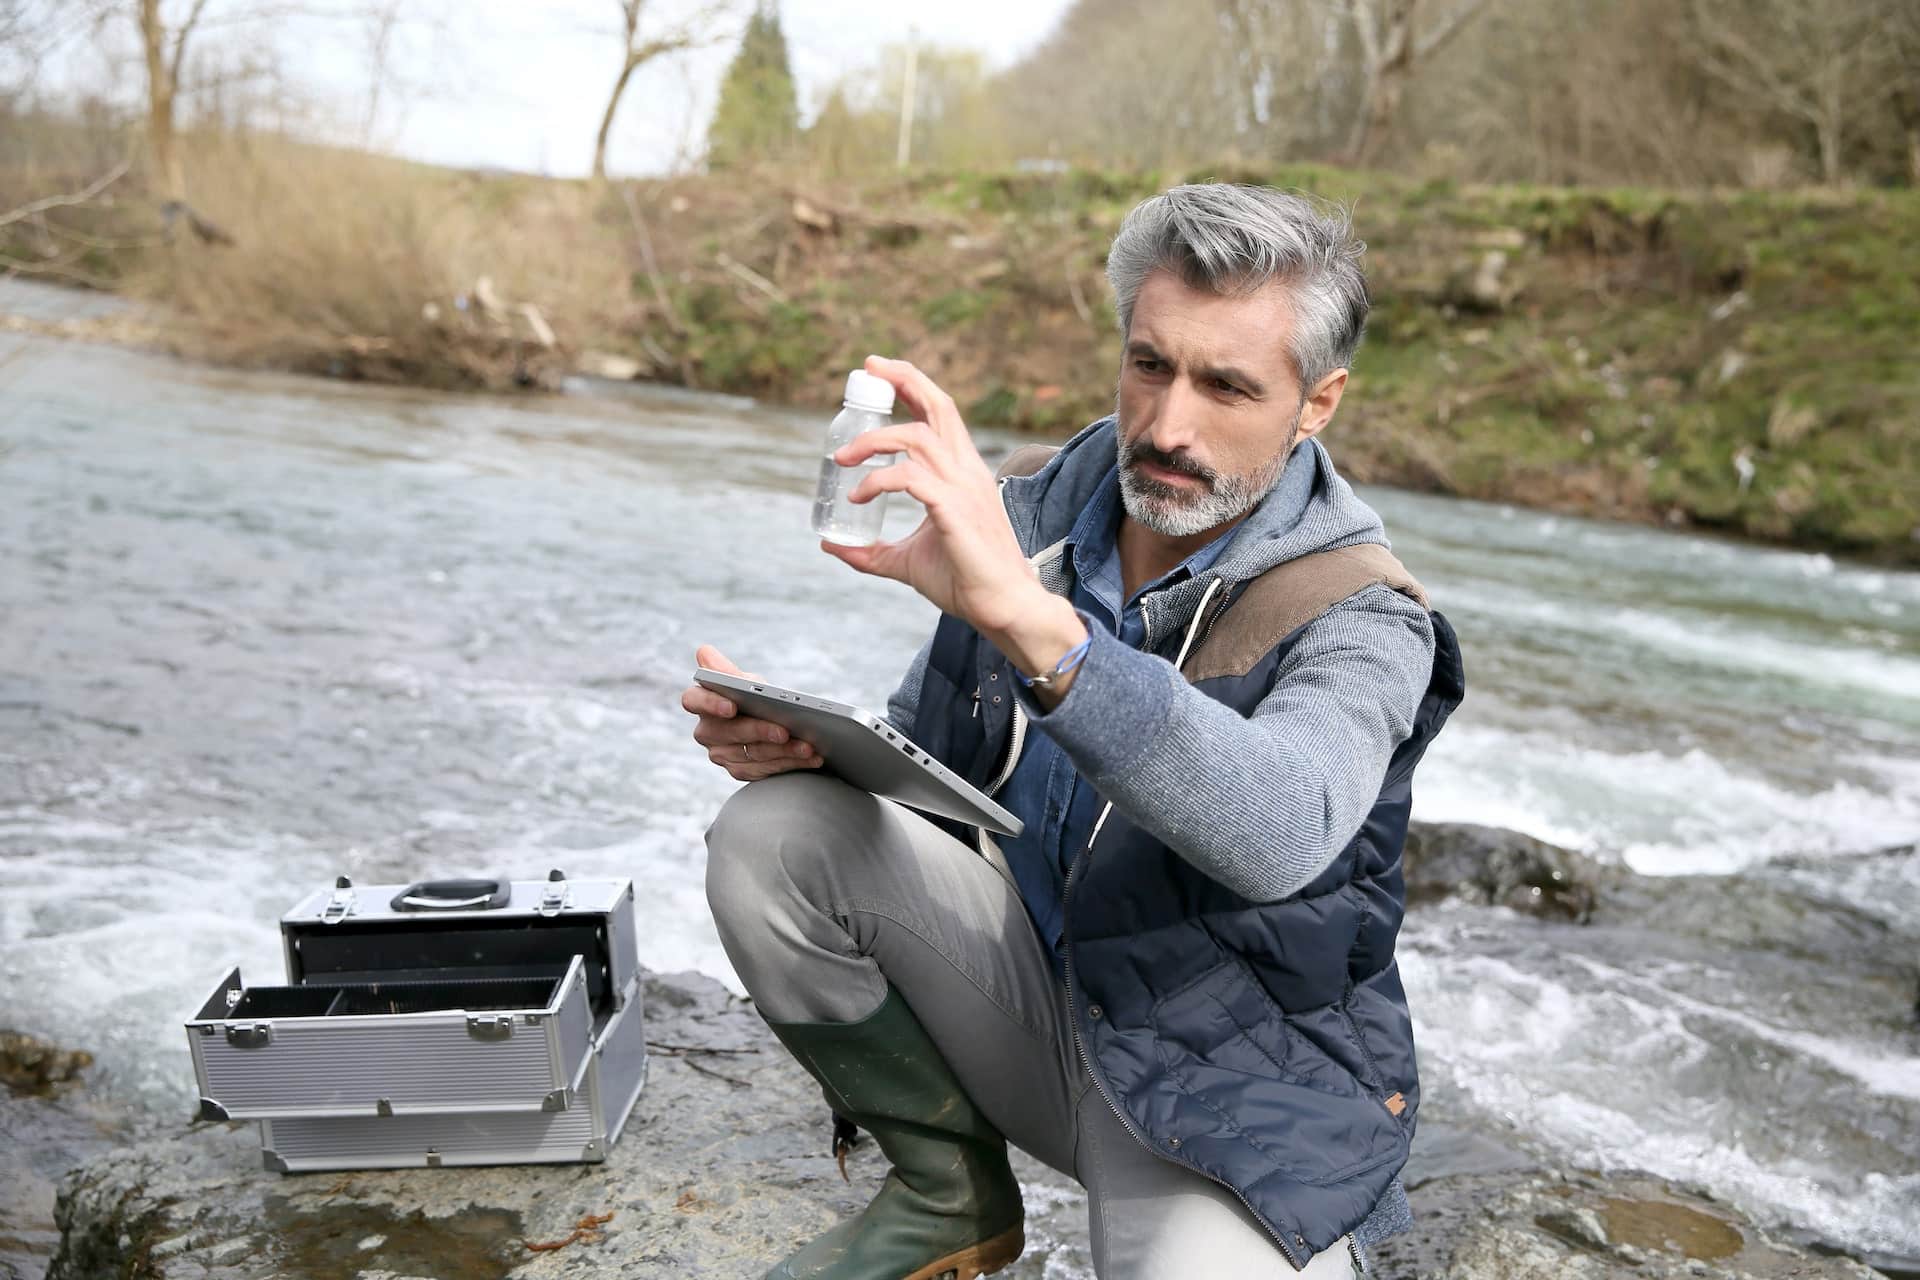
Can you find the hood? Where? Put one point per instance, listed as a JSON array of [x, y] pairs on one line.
[[1311, 509]]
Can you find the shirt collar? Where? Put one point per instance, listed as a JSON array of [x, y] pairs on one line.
[[1093, 543]]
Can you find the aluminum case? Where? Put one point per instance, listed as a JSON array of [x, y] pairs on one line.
[[452, 1022]]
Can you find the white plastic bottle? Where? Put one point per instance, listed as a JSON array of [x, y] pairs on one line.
[[869, 404]]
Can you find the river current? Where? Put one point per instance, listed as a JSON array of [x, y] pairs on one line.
[[258, 631]]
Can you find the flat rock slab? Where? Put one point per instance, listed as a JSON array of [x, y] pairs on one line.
[[724, 1168]]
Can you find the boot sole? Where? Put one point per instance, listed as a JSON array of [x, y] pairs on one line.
[[976, 1260]]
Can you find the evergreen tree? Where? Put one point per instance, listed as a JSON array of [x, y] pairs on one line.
[[758, 114]]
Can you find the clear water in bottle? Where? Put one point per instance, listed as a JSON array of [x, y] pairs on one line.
[[869, 404]]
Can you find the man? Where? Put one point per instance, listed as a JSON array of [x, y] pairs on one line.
[[1179, 651]]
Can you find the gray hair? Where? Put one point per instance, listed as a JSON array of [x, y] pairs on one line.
[[1234, 238]]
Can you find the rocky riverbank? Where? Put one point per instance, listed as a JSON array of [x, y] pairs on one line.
[[725, 1166]]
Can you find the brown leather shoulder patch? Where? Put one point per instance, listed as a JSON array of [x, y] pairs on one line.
[[1396, 1103], [1289, 596], [1026, 460]]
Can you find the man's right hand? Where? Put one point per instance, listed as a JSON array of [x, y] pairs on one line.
[[749, 749]]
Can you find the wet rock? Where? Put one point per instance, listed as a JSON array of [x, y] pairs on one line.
[[1590, 1226], [1491, 865], [724, 1168]]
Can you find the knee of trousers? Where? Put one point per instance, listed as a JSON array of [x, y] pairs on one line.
[[769, 843]]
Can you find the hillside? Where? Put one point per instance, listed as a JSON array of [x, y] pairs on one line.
[[1741, 361]]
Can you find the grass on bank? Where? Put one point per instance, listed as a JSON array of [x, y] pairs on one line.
[[1738, 361]]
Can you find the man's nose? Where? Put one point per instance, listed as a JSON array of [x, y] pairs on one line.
[[1176, 420]]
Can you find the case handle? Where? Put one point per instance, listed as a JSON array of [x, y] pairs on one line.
[[454, 895]]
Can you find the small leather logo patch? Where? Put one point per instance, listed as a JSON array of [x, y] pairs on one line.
[[1396, 1103]]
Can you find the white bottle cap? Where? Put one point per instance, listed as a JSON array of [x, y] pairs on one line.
[[864, 391]]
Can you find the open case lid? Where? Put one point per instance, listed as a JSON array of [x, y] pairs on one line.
[[484, 928]]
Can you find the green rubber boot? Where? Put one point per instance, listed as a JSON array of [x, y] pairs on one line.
[[950, 1205]]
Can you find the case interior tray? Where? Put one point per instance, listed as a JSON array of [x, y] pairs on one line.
[[340, 1000]]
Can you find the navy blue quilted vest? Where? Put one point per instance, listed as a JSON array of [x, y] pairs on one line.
[[1265, 1045]]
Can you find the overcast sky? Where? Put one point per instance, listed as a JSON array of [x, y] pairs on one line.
[[521, 85]]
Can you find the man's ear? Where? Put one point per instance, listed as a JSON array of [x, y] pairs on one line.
[[1316, 411]]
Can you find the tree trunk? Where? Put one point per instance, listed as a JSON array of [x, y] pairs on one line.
[[160, 97], [1383, 104], [606, 120], [1828, 129], [1913, 155]]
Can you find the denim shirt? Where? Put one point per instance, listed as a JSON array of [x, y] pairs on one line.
[[1045, 791]]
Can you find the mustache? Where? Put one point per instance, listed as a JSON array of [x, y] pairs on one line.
[[1144, 452]]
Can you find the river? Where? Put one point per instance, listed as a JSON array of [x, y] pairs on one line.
[[257, 631]]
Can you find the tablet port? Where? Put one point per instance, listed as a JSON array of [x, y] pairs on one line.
[[908, 748]]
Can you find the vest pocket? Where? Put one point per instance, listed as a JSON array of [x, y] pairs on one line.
[[1223, 1017], [1223, 1042]]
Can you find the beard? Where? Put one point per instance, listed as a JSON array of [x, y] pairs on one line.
[[1180, 511]]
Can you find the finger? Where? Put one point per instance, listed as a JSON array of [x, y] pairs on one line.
[[713, 660], [703, 701], [915, 439], [881, 559], [731, 733], [901, 477], [756, 769], [759, 772], [920, 392]]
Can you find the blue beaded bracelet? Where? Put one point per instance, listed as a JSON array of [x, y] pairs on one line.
[[1071, 659]]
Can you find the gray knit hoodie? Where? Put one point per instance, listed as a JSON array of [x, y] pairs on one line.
[[1263, 804]]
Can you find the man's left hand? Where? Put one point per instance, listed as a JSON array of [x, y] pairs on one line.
[[963, 556]]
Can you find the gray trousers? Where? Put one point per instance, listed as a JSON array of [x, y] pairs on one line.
[[825, 895]]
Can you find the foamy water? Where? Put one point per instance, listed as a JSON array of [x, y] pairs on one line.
[[259, 631]]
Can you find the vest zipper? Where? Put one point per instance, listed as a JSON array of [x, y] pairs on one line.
[[1086, 1062], [1299, 1262], [1018, 741]]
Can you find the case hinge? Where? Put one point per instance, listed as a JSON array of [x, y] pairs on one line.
[[490, 1026], [257, 1035]]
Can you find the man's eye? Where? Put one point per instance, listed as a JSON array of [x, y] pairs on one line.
[[1222, 385], [1147, 366]]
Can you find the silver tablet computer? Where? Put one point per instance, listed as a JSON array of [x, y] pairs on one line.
[[865, 750]]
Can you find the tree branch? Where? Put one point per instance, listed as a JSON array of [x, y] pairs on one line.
[[180, 35], [1449, 28], [81, 196]]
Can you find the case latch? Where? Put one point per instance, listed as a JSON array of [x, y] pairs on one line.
[[256, 1035], [339, 903], [490, 1026], [553, 898]]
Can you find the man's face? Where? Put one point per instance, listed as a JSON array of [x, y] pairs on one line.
[[1208, 403]]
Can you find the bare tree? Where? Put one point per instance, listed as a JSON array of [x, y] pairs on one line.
[[1395, 37], [1823, 64], [640, 50], [1904, 36], [165, 51]]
